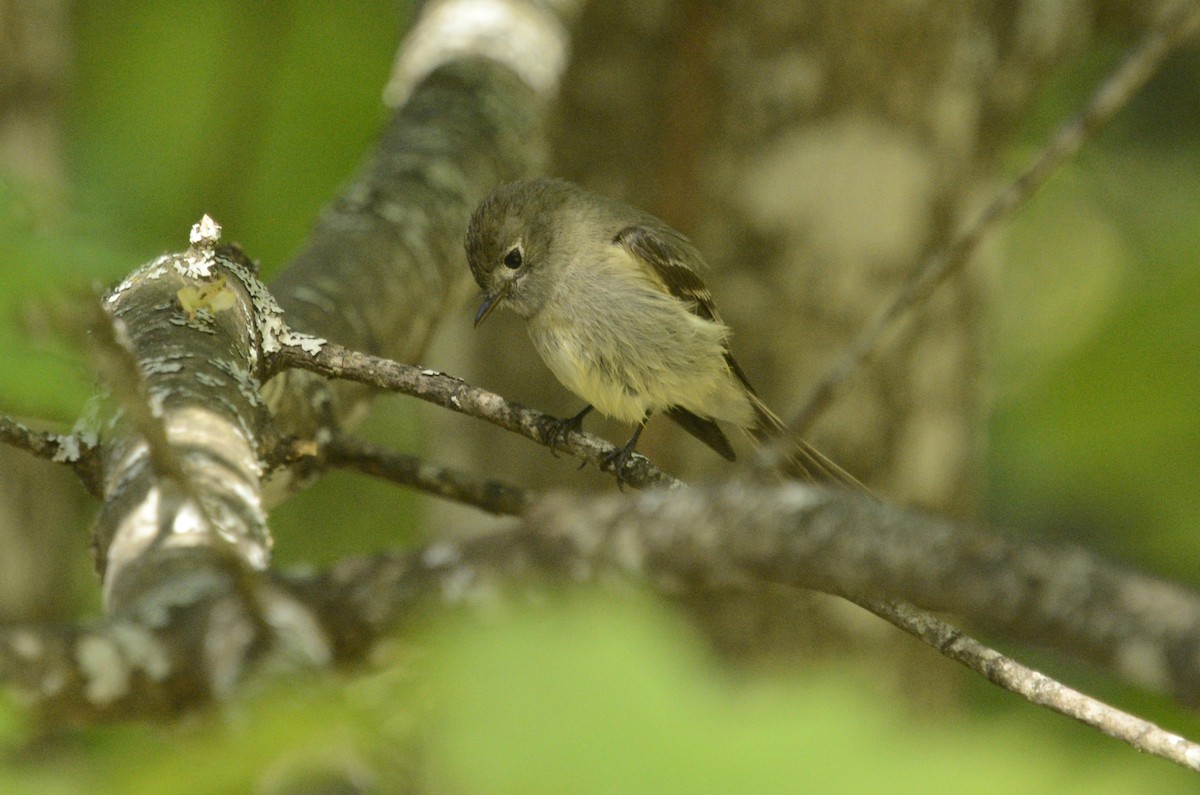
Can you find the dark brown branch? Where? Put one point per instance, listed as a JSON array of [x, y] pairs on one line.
[[334, 361], [407, 470], [1109, 98], [997, 668]]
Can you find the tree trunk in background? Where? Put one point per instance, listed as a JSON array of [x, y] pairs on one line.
[[41, 504], [815, 152]]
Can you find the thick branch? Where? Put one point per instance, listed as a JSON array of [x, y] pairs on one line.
[[1141, 628], [471, 88], [181, 467], [181, 538], [689, 542], [682, 542], [187, 648]]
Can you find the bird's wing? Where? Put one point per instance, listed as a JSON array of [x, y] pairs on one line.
[[668, 254]]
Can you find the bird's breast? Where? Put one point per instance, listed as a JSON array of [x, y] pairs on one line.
[[628, 349], [587, 359]]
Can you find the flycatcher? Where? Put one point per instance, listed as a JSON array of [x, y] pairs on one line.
[[617, 310]]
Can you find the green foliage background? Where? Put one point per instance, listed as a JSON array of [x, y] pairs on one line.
[[255, 113]]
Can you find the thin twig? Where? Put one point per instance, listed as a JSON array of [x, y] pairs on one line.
[[71, 449], [334, 361], [41, 444], [1034, 686], [451, 484], [1110, 97]]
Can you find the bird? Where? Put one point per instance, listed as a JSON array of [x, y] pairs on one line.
[[616, 308]]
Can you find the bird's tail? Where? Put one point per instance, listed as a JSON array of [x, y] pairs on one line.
[[803, 460]]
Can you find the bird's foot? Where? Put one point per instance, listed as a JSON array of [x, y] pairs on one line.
[[616, 460], [556, 436]]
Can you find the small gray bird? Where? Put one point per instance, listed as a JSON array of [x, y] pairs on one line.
[[617, 310]]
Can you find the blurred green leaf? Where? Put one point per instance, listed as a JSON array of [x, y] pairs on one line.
[[606, 695], [251, 112], [594, 695]]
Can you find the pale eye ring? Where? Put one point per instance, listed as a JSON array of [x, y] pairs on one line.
[[515, 258]]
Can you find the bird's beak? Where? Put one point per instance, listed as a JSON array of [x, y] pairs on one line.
[[490, 302]]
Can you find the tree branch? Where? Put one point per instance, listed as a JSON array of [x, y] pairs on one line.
[[192, 603], [76, 450], [385, 261], [1138, 627], [682, 542], [1034, 686], [691, 542], [450, 484], [181, 539], [334, 361]]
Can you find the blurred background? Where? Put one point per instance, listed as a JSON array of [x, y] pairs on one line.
[[136, 118]]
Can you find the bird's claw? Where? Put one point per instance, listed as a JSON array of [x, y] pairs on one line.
[[556, 434], [614, 461]]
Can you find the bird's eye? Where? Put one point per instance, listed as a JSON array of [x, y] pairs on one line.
[[514, 258]]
